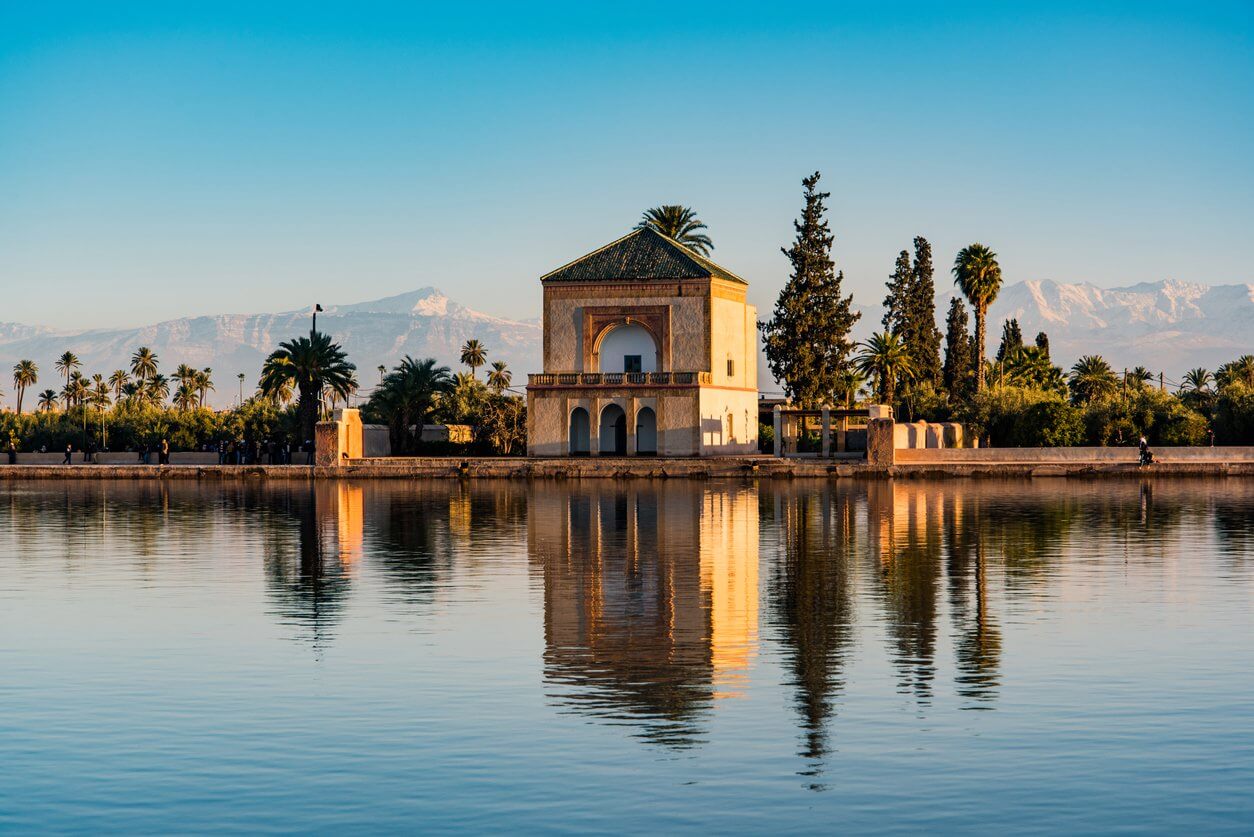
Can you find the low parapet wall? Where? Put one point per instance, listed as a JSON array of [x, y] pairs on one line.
[[745, 467], [991, 456]]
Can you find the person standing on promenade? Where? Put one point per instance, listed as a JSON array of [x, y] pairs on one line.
[[163, 457], [12, 452], [69, 451]]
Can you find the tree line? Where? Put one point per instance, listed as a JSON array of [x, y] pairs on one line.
[[1018, 397], [303, 379]]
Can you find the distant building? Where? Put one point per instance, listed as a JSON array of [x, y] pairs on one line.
[[648, 349]]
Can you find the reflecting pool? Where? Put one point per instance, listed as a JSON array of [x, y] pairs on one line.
[[627, 656]]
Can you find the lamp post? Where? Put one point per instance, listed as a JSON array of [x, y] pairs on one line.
[[313, 329]]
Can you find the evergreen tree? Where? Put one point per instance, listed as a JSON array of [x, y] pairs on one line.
[[807, 338], [922, 336], [1042, 342], [910, 312], [896, 304], [1011, 339], [958, 351]]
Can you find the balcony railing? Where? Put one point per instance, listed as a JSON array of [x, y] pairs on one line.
[[617, 379]]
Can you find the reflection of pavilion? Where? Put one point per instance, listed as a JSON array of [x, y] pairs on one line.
[[650, 599]]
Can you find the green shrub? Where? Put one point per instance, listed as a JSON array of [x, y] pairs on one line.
[[1010, 416]]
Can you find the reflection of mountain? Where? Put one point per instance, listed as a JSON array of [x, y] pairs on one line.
[[650, 600]]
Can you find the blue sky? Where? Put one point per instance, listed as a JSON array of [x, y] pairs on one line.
[[161, 160]]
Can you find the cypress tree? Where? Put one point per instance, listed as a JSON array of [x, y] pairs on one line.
[[1011, 338], [910, 311], [958, 351], [896, 304], [922, 336], [1042, 342], [807, 338]]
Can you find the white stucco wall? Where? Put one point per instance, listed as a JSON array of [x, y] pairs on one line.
[[729, 421]]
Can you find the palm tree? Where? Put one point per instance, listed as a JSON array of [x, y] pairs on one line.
[[184, 374], [1092, 378], [474, 355], [1139, 377], [185, 397], [25, 374], [383, 370], [312, 364], [1196, 381], [100, 392], [1030, 366], [117, 381], [1239, 371], [978, 275], [75, 392], [143, 363], [886, 358], [202, 381], [48, 400], [66, 364], [156, 389], [500, 376], [406, 396], [847, 385], [679, 223]]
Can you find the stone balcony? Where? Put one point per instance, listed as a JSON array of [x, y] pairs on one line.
[[618, 379]]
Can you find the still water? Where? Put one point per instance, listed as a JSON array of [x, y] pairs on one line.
[[972, 656]]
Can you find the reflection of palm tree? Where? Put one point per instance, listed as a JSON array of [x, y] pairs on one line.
[[309, 587], [978, 644]]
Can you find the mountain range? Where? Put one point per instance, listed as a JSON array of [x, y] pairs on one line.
[[422, 323], [1166, 326]]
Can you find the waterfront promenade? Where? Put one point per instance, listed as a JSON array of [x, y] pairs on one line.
[[911, 464]]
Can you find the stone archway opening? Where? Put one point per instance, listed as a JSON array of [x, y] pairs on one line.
[[613, 431], [580, 435], [646, 432]]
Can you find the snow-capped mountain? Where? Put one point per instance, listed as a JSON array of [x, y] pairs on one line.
[[1166, 326], [422, 323]]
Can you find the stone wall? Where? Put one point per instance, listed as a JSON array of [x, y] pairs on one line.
[[564, 305], [1070, 455]]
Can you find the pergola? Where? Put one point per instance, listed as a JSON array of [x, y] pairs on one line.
[[790, 422]]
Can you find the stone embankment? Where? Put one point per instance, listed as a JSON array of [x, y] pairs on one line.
[[917, 464]]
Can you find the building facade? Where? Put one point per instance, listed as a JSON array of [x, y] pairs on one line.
[[649, 349]]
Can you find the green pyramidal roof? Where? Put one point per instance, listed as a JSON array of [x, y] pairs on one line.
[[640, 256]]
